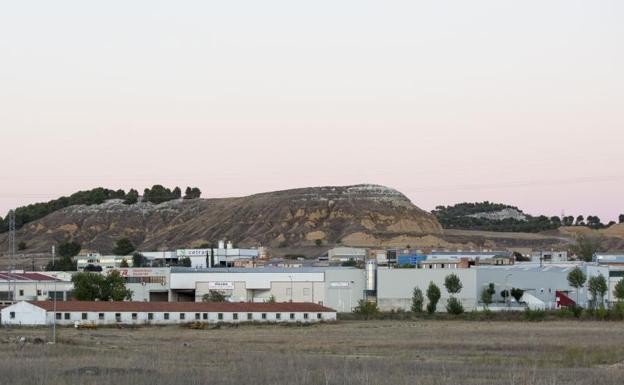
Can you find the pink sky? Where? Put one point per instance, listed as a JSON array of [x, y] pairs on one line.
[[513, 102]]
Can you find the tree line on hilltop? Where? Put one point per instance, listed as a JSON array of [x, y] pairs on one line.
[[157, 194], [459, 217]]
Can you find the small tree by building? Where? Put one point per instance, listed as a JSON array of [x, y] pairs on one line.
[[21, 246], [597, 287], [124, 263], [618, 290], [453, 286], [368, 309], [115, 288], [517, 294], [586, 246], [214, 296], [417, 300], [138, 260], [350, 263], [96, 287], [318, 242], [486, 295], [123, 246], [452, 283], [185, 262], [433, 295], [577, 279]]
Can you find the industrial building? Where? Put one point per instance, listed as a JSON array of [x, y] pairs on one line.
[[544, 286], [609, 259], [549, 256], [148, 284], [223, 255], [18, 285], [343, 254], [32, 313], [337, 287]]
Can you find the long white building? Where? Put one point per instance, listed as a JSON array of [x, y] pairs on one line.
[[33, 313]]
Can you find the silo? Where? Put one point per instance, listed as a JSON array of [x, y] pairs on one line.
[[371, 275]]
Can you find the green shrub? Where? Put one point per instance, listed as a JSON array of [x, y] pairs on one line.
[[454, 306], [617, 312], [564, 313], [433, 295], [417, 300], [367, 309], [534, 315]]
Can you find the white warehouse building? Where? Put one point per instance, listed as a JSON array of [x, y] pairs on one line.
[[337, 287]]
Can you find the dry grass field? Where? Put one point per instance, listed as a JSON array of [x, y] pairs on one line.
[[348, 352]]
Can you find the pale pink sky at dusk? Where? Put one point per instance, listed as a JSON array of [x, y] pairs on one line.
[[520, 102]]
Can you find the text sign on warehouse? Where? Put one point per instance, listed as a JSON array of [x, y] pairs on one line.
[[221, 285], [193, 252]]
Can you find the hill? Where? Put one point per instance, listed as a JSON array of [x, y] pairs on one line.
[[290, 218]]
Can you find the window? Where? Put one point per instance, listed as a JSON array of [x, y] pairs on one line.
[[288, 291], [59, 316], [319, 316], [235, 316], [263, 315], [205, 316], [182, 316], [84, 315], [118, 317], [305, 315], [12, 315], [67, 316], [197, 316], [101, 316], [220, 316], [38, 292], [150, 316], [249, 316], [21, 292], [166, 315], [292, 315], [134, 316], [278, 316]]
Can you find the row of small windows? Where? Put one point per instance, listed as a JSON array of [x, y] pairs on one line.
[[182, 316]]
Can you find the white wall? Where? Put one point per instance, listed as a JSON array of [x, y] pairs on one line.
[[25, 314], [395, 287], [176, 318]]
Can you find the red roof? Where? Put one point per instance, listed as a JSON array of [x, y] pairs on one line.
[[224, 307], [12, 276]]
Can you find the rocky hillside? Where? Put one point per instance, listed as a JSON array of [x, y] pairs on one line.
[[292, 218]]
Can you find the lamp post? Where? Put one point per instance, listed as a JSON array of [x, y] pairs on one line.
[[54, 315], [507, 289]]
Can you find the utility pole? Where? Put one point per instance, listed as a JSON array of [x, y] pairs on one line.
[[12, 249], [54, 315]]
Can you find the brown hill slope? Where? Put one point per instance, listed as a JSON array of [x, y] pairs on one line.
[[284, 218]]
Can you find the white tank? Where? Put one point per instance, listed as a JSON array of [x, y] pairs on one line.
[[371, 275]]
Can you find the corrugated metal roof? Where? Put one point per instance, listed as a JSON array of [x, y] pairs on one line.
[[224, 307], [12, 276]]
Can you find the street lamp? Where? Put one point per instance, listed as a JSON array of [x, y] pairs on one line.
[[507, 289]]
